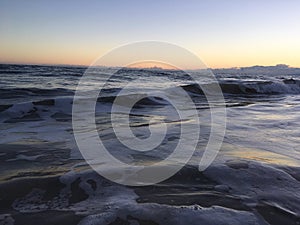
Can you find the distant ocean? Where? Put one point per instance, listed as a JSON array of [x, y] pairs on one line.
[[255, 178]]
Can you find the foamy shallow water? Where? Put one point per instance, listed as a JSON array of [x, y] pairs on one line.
[[254, 179]]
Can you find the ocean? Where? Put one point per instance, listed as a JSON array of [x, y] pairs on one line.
[[254, 179]]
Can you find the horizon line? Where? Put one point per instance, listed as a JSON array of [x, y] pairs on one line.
[[82, 65]]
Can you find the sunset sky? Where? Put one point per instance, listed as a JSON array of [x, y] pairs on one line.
[[222, 33]]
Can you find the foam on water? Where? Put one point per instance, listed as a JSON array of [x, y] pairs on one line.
[[256, 171]]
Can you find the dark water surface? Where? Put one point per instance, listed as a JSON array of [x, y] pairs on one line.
[[255, 178]]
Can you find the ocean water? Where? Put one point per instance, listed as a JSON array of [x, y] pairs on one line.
[[255, 178]]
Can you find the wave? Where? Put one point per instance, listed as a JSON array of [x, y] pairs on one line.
[[23, 92], [234, 87], [58, 109], [59, 101], [285, 86]]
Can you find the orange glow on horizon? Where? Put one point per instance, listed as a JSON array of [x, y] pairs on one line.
[[152, 64], [211, 57]]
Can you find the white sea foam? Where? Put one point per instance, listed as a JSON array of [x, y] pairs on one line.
[[255, 182]]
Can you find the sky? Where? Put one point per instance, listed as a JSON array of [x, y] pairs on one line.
[[222, 34]]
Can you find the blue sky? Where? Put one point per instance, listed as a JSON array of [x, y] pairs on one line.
[[222, 33]]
